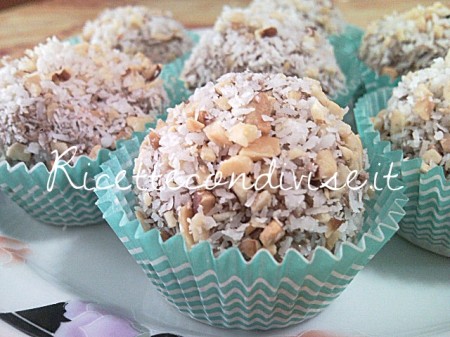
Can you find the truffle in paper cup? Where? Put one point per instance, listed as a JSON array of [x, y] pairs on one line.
[[65, 205], [427, 220], [227, 290], [403, 42]]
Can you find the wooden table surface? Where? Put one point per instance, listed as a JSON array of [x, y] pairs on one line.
[[25, 25]]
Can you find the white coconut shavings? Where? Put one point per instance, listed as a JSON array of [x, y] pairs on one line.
[[405, 42], [296, 141], [258, 41], [138, 29], [417, 118], [60, 95], [320, 14]]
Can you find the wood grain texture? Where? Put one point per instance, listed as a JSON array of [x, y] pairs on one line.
[[25, 25]]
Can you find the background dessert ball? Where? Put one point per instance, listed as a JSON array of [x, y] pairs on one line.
[[417, 118], [405, 42], [320, 14], [268, 133], [60, 95], [134, 29], [277, 42]]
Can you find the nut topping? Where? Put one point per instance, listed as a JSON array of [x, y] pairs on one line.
[[217, 134], [326, 163], [264, 147], [205, 199], [271, 234], [249, 247], [243, 134], [236, 165]]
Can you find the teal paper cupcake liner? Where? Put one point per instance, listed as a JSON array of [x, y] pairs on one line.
[[170, 74], [346, 47], [63, 205], [374, 81], [427, 220], [227, 291]]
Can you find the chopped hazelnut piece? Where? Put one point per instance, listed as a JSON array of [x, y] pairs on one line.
[[207, 154], [243, 134], [445, 143], [142, 219], [353, 142], [424, 105], [138, 123], [264, 147], [334, 224], [194, 126], [32, 83], [202, 174], [296, 95], [398, 121], [335, 109], [171, 221], [263, 105], [262, 200], [205, 199], [326, 163], [271, 234], [272, 249], [154, 139], [199, 232], [222, 103], [241, 188], [186, 213], [331, 240], [249, 247], [266, 32], [322, 217], [237, 165], [446, 92], [147, 200], [217, 134], [432, 156], [424, 168], [296, 153], [93, 153], [18, 152], [318, 113]]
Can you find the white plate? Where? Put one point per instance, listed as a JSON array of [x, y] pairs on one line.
[[404, 291]]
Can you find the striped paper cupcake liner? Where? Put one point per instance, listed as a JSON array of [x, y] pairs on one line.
[[346, 47], [227, 291], [427, 220], [374, 81]]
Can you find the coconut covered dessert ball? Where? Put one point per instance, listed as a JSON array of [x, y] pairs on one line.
[[320, 14], [138, 29], [405, 42], [417, 118], [60, 95], [246, 39], [242, 164]]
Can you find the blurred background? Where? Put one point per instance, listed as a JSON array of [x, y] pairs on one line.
[[24, 23]]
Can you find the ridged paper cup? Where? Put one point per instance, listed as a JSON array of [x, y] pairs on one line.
[[374, 81], [346, 47], [427, 220], [65, 205], [227, 291]]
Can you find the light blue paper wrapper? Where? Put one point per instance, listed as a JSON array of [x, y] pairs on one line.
[[227, 291], [427, 220], [374, 81]]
